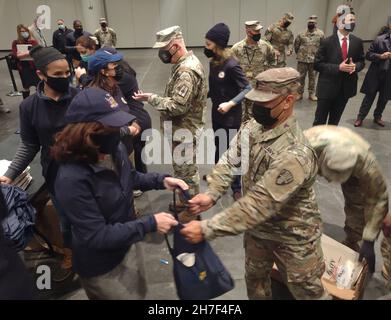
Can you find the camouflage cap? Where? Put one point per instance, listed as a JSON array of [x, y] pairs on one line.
[[165, 36], [288, 17], [273, 83], [337, 162], [254, 25], [313, 18]]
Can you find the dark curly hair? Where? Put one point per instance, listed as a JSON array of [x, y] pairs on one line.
[[75, 142]]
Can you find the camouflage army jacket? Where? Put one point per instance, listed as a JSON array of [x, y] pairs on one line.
[[279, 39], [372, 198], [279, 200], [307, 44], [184, 101], [254, 59]]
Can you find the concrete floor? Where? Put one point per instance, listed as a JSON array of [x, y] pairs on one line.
[[152, 76]]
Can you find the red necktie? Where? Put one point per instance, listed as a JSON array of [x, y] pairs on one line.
[[344, 48]]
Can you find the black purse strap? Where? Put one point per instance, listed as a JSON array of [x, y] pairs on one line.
[[187, 197]]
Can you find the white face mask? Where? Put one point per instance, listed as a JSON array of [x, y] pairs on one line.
[[61, 27], [25, 35]]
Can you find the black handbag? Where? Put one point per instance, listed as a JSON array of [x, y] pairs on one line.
[[198, 272]]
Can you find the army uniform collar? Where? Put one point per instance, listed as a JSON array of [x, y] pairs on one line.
[[280, 129], [307, 32], [184, 57]]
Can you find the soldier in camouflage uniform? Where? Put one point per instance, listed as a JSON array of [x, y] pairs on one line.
[[184, 102], [255, 56], [280, 37], [386, 250], [278, 212], [346, 158], [306, 45]]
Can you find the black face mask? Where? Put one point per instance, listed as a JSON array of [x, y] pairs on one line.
[[262, 115], [108, 144], [209, 53], [119, 72], [256, 37], [311, 26], [286, 24], [104, 25], [60, 85], [166, 55], [350, 27], [78, 31]]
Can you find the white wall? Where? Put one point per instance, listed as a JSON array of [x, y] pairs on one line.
[[14, 12], [371, 16], [136, 21]]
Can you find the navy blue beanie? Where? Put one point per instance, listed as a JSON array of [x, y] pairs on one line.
[[219, 34]]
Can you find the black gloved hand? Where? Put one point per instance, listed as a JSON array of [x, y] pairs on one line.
[[367, 251]]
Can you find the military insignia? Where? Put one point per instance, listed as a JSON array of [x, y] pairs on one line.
[[285, 177], [183, 91], [113, 104], [202, 275], [249, 74], [222, 75]]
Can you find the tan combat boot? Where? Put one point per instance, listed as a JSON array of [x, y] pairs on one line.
[[313, 97]]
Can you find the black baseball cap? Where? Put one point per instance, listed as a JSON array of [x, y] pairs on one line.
[[97, 105]]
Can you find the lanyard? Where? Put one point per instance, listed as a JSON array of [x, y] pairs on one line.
[[248, 57]]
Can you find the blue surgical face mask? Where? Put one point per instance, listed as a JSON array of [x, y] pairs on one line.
[[25, 35], [61, 27], [349, 27], [85, 57]]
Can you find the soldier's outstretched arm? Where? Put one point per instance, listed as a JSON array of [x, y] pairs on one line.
[[376, 202], [180, 101], [284, 178], [271, 55]]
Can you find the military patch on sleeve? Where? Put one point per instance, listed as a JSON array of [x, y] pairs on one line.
[[285, 177], [183, 90]]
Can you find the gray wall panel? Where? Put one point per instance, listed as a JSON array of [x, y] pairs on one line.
[[199, 20], [136, 21]]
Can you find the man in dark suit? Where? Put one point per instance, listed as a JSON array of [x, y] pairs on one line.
[[377, 79], [338, 60]]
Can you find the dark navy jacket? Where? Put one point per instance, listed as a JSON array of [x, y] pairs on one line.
[[378, 77], [40, 119], [225, 83], [99, 205]]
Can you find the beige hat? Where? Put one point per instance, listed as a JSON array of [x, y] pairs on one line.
[[337, 162], [164, 37], [288, 17], [273, 83], [313, 18], [102, 20], [254, 25]]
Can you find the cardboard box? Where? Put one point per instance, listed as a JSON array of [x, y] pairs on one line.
[[342, 267]]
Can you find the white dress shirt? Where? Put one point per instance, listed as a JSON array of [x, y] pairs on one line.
[[341, 36]]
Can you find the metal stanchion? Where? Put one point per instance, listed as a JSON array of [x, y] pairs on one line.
[[14, 93]]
